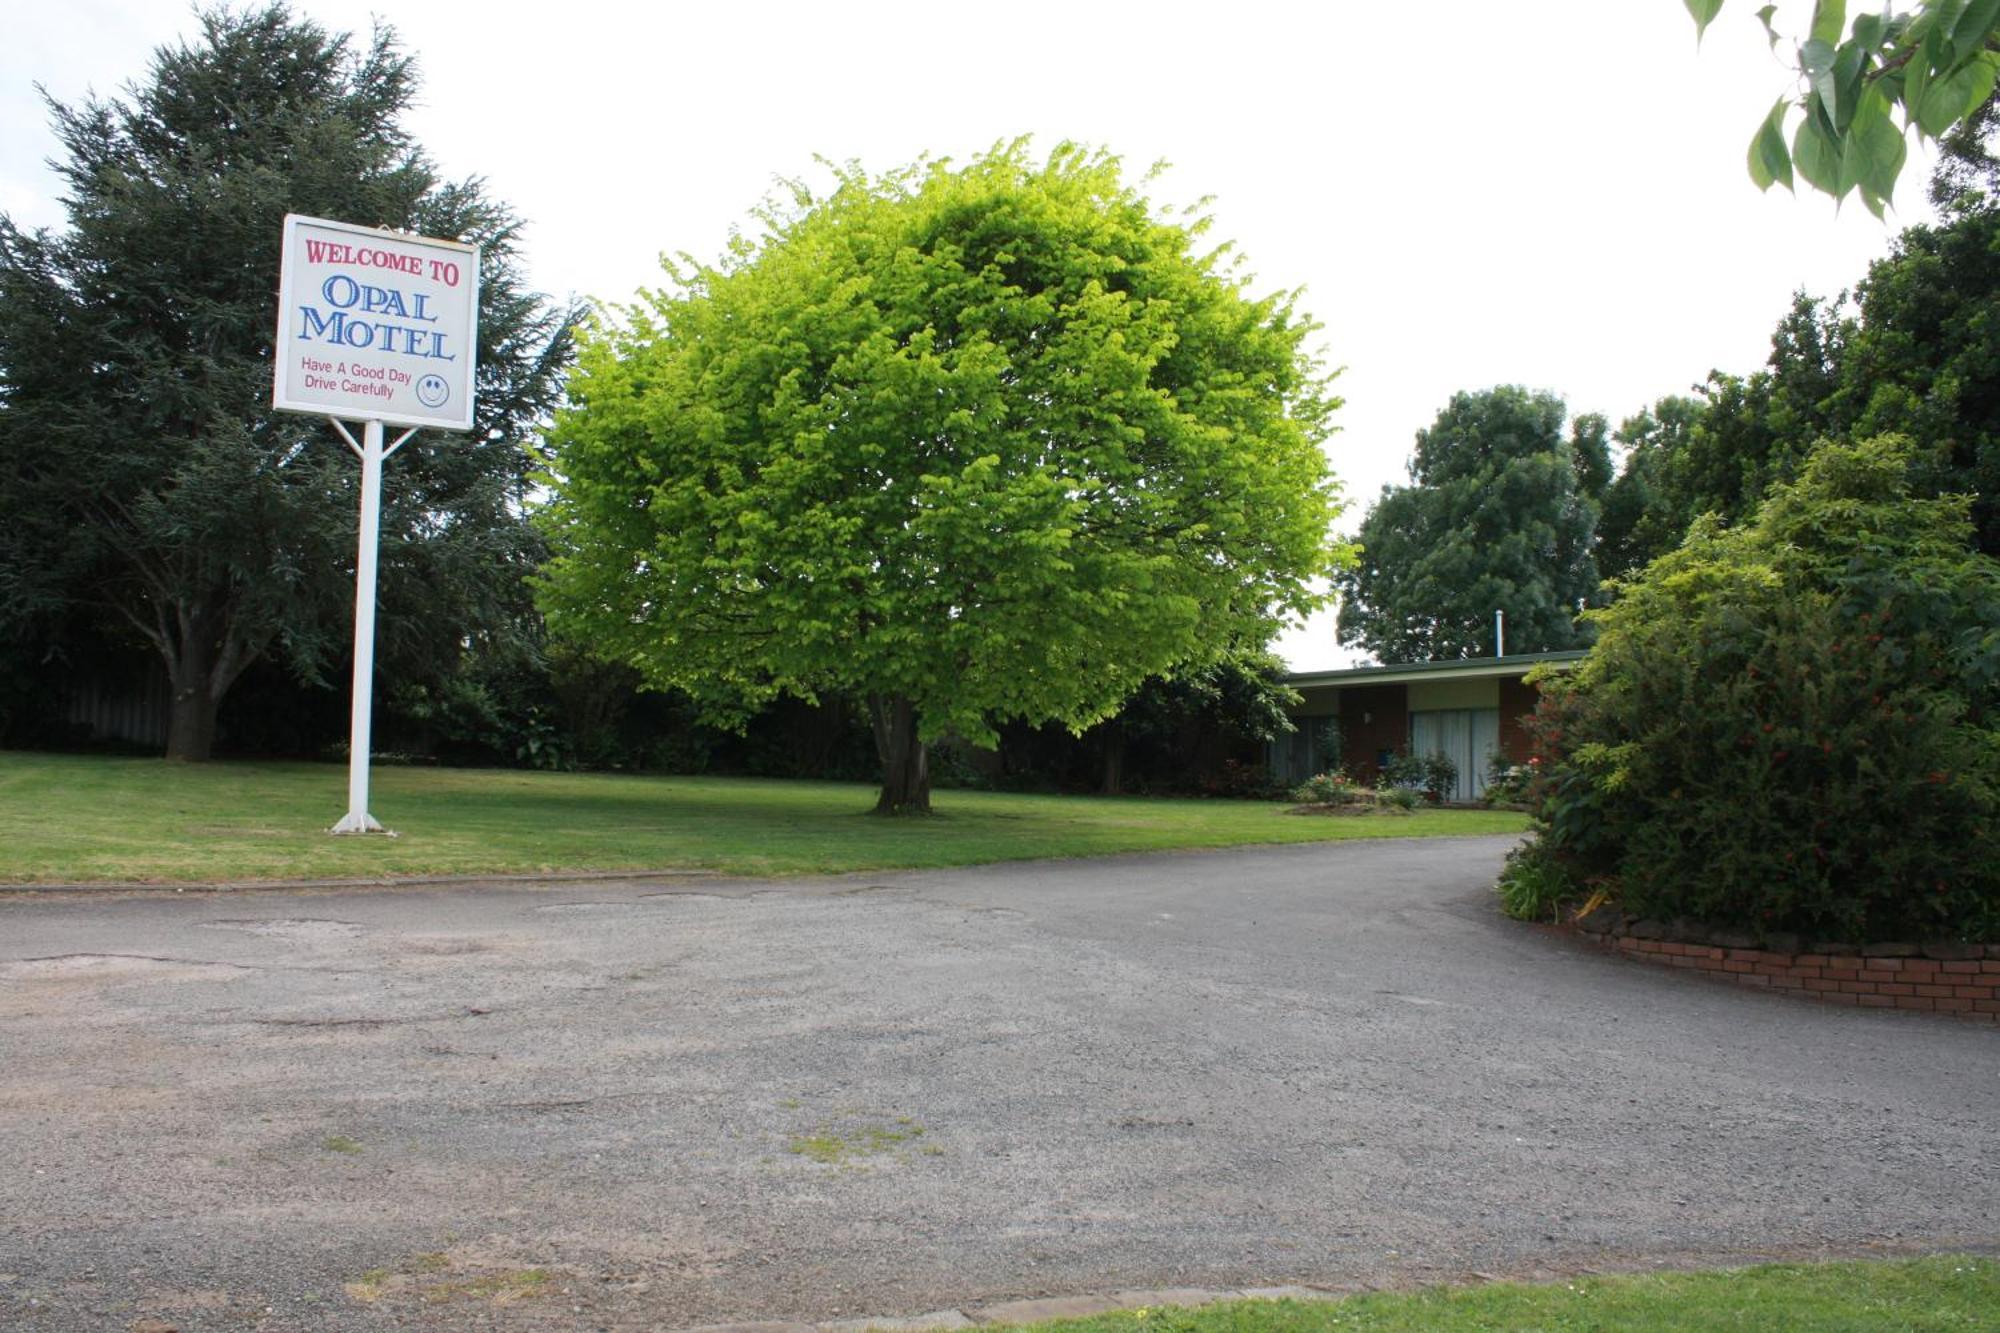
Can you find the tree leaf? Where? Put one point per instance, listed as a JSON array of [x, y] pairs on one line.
[[1916, 82], [1817, 154], [1816, 56], [1943, 13], [1829, 18], [1850, 66], [1764, 17], [1770, 162], [1816, 61], [1955, 95], [1875, 151], [1704, 12], [1975, 25]]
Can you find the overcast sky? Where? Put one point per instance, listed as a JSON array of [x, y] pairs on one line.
[[1470, 193]]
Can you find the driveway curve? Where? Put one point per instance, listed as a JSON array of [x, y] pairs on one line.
[[667, 1102]]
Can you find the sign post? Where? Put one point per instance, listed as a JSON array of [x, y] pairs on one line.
[[382, 327]]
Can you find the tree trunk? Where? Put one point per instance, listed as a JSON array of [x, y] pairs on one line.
[[204, 656], [1114, 761], [906, 773], [191, 722]]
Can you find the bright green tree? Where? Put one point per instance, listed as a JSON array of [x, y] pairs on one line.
[[975, 443], [144, 480], [1933, 64], [1499, 515]]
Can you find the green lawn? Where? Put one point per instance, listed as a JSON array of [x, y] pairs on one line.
[[67, 817], [1943, 1293]]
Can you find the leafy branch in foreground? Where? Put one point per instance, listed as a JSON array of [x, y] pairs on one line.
[[1934, 65]]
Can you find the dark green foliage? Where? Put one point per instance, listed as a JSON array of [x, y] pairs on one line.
[[1175, 730], [1967, 165], [1535, 883], [1791, 726], [1499, 515], [1924, 358], [1506, 781], [1643, 513], [1917, 353], [1435, 775], [1718, 454], [145, 484], [1198, 732]]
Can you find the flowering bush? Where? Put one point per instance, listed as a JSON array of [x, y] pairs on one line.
[[1334, 788]]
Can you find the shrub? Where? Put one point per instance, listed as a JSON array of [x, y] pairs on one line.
[[1440, 776], [1435, 775], [1507, 782], [1399, 798], [1240, 780], [1534, 883], [1791, 726], [1403, 770], [1334, 788]]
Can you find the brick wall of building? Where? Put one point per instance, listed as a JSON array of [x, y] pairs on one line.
[[1517, 705], [1373, 718]]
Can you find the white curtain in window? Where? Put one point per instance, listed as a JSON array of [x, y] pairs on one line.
[[1469, 737]]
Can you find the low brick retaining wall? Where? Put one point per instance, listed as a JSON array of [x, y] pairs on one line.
[[1958, 979]]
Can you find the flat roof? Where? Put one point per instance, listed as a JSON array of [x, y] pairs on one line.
[[1465, 668]]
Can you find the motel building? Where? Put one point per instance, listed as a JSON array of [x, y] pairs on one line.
[[1470, 710]]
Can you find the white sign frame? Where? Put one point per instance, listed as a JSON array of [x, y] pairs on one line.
[[420, 265], [391, 274]]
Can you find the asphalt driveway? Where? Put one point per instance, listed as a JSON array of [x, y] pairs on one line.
[[676, 1102]]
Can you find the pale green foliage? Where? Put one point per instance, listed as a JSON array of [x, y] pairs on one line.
[[1933, 65], [993, 438]]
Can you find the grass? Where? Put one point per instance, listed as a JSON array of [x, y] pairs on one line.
[[839, 1145], [427, 1277], [1936, 1295], [89, 818]]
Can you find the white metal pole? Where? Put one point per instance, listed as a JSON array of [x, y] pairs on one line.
[[357, 819], [1499, 633]]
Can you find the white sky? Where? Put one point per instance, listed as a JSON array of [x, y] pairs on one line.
[[1471, 193]]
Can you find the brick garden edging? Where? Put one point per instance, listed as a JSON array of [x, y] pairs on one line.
[[1962, 980]]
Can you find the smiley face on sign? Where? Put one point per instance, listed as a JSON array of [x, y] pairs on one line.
[[432, 391]]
